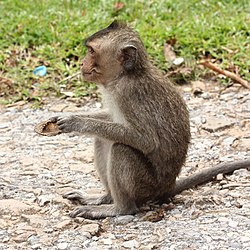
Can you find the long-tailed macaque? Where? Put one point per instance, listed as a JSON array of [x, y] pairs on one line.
[[143, 132]]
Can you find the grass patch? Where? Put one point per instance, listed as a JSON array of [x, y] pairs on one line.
[[51, 33]]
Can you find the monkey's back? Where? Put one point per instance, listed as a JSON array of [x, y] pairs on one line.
[[153, 107]]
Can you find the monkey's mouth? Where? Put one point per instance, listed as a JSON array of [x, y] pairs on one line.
[[87, 73], [90, 73]]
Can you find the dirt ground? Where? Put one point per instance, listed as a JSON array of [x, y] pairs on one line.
[[37, 170]]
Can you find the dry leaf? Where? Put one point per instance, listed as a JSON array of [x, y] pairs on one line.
[[119, 5], [169, 53]]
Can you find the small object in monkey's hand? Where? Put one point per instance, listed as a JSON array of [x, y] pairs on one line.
[[48, 128]]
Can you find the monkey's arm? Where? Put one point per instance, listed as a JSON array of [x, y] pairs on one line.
[[100, 115], [106, 129], [207, 175]]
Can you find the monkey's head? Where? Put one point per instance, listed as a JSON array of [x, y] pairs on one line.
[[113, 52]]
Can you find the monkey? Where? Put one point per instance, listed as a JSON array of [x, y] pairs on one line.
[[141, 136]]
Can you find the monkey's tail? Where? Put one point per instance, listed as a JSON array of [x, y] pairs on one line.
[[207, 175]]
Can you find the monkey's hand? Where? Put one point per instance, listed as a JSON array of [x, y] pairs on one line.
[[70, 123]]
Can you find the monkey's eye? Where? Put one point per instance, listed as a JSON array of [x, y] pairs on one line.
[[90, 50]]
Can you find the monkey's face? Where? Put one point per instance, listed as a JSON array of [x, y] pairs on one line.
[[101, 64]]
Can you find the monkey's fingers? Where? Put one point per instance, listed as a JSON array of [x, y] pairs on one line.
[[53, 119], [95, 212], [65, 124], [75, 196], [84, 212]]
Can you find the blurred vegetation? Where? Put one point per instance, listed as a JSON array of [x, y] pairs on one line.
[[51, 33]]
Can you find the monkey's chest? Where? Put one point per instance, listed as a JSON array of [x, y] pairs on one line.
[[113, 107], [116, 115]]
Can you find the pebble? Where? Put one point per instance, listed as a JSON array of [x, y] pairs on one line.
[[131, 244], [90, 228], [61, 225], [214, 124], [63, 245], [124, 219], [233, 223]]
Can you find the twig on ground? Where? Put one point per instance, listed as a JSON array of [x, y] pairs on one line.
[[69, 77], [226, 73], [232, 185]]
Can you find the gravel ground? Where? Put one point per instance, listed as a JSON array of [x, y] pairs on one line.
[[37, 170]]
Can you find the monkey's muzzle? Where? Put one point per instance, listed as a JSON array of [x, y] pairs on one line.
[[47, 128]]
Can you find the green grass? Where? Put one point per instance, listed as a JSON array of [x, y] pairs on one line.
[[51, 33]]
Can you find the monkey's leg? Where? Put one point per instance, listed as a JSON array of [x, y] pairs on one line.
[[130, 179], [102, 148]]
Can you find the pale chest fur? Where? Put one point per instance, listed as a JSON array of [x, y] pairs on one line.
[[110, 104]]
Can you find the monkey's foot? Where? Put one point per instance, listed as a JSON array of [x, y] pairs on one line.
[[98, 212], [77, 197]]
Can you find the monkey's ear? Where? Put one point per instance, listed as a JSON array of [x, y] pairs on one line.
[[128, 57], [114, 25]]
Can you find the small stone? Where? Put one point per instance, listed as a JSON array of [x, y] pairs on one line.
[[85, 168], [4, 125], [107, 241], [98, 105], [245, 239], [244, 143], [131, 244], [36, 246], [125, 219], [12, 206], [3, 161], [71, 108], [241, 172], [44, 199], [219, 177], [235, 245], [23, 237], [90, 228], [229, 141], [62, 246], [79, 220], [178, 61], [58, 107], [198, 87], [205, 96], [33, 240], [214, 124], [63, 224], [203, 120], [5, 239], [3, 224], [27, 161], [34, 220], [233, 223], [223, 182]]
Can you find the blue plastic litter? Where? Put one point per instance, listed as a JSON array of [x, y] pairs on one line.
[[40, 71]]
